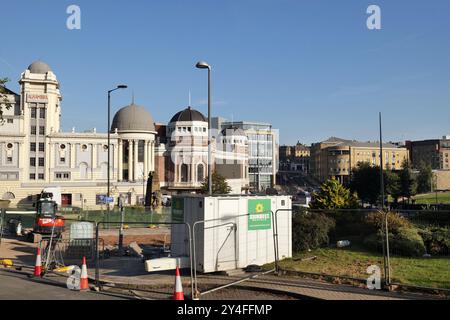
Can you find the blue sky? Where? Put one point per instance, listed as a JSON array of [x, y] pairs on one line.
[[311, 68]]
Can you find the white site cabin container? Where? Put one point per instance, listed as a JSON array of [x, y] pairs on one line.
[[240, 235]]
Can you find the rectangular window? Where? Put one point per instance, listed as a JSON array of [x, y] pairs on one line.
[[62, 175], [42, 113], [32, 162], [32, 176], [62, 160], [33, 146], [41, 130], [41, 162], [41, 176], [9, 159], [10, 121], [33, 130], [33, 112], [41, 146]]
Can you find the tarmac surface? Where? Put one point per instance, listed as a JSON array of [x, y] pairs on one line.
[[129, 274], [17, 286]]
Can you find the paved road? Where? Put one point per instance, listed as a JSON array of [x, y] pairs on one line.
[[15, 286]]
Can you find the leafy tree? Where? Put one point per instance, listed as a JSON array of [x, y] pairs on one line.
[[424, 178], [366, 182], [333, 195], [220, 185], [408, 185], [392, 184], [4, 103]]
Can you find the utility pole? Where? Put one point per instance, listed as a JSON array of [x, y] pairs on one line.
[[381, 166]]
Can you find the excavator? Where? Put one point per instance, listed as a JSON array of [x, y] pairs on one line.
[[47, 219]]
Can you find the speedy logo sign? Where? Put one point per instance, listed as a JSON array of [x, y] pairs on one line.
[[260, 216]]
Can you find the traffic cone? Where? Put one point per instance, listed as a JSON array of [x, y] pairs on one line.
[[178, 294], [37, 265], [84, 283]]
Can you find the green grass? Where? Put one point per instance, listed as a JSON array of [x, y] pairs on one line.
[[427, 272], [430, 198]]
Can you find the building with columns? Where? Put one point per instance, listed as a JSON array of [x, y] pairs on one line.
[[35, 153]]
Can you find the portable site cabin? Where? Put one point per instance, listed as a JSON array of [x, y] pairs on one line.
[[236, 231]]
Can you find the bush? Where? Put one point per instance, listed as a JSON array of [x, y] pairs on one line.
[[437, 240], [310, 231], [405, 241], [375, 221]]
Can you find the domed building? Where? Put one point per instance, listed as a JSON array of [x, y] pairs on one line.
[[187, 150], [35, 153], [136, 142], [183, 157], [231, 160]]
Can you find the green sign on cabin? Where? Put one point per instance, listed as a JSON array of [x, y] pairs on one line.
[[260, 216], [178, 210]]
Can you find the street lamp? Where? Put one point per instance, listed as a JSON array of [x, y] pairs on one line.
[[122, 86], [205, 65]]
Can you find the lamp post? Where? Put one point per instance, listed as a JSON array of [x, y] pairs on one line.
[[205, 65], [122, 86]]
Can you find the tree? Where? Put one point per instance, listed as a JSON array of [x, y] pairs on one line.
[[424, 178], [220, 185], [333, 195], [4, 103], [366, 182], [392, 184], [408, 185]]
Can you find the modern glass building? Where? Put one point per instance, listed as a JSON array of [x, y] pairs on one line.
[[263, 151]]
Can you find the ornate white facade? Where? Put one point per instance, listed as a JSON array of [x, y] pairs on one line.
[[34, 153]]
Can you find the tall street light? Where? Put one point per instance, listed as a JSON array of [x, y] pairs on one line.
[[122, 86], [205, 65]]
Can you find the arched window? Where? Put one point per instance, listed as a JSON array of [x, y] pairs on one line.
[[83, 170], [200, 172], [184, 172], [8, 196]]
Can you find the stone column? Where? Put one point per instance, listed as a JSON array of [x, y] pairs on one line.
[[120, 164], [93, 159], [135, 158], [146, 156], [130, 160], [94, 155], [72, 155], [152, 156]]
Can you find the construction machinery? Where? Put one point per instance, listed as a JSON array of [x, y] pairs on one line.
[[48, 222]]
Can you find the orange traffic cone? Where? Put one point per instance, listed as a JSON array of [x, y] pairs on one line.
[[84, 283], [178, 294], [37, 265]]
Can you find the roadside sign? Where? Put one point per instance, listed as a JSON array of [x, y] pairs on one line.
[[109, 199], [260, 217]]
